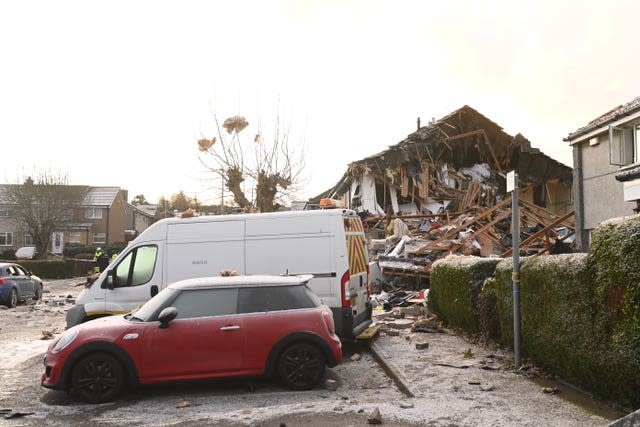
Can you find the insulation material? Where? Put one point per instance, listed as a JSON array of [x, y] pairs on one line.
[[394, 199], [368, 193], [479, 172]]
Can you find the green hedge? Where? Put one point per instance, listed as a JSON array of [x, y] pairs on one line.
[[580, 313], [46, 269], [456, 285], [556, 309], [614, 259], [73, 249]]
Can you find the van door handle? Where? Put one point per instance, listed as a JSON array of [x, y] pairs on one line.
[[230, 328]]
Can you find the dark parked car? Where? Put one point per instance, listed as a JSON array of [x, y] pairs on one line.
[[18, 284], [197, 329]]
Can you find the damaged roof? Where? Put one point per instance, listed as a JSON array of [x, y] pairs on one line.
[[608, 117], [462, 139]]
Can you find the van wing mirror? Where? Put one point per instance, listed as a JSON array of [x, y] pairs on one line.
[[111, 279]]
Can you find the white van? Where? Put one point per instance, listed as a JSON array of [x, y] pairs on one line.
[[328, 244]]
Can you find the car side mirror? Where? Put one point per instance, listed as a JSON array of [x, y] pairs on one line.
[[166, 316]]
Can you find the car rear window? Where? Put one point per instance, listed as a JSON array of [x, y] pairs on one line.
[[274, 298]]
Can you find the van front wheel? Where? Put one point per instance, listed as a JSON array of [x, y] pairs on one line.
[[301, 366]]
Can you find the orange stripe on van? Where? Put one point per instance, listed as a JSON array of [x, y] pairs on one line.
[[357, 258], [353, 225]]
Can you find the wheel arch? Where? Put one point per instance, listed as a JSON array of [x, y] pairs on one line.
[[294, 338], [121, 356]]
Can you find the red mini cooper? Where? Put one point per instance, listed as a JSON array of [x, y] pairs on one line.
[[196, 329]]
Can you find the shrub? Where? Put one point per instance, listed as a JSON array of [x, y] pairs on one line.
[[46, 269], [8, 254], [456, 283]]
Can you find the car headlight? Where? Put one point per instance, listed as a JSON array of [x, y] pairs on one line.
[[66, 339]]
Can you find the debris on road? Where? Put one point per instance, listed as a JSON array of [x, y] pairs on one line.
[[375, 417]]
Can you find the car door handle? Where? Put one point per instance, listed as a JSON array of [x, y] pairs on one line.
[[230, 328]]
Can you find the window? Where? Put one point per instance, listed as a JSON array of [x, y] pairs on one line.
[[270, 298], [20, 271], [636, 144], [206, 302], [616, 137], [6, 238], [4, 211], [94, 213], [28, 240], [621, 145], [74, 237], [137, 267], [99, 238]]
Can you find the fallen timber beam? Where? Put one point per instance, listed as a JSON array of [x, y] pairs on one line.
[[481, 230], [550, 215], [455, 230], [540, 233]]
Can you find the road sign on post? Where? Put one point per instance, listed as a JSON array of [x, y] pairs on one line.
[[513, 186]]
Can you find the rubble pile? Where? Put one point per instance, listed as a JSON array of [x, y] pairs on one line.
[[483, 231]]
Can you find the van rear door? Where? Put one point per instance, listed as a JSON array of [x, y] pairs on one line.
[[356, 306]]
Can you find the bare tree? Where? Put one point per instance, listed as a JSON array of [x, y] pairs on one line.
[[271, 171], [43, 205], [139, 200]]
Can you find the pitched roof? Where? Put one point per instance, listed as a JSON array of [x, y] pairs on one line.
[[462, 138], [100, 196], [608, 117]]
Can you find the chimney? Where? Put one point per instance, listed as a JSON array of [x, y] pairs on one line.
[[418, 123]]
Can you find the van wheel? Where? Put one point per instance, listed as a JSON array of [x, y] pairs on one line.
[[301, 366], [97, 378], [38, 295], [13, 298]]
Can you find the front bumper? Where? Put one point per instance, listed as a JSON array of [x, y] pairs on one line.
[[76, 315], [52, 376]]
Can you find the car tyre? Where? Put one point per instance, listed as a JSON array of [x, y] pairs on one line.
[[97, 378], [301, 366], [13, 298], [38, 294]]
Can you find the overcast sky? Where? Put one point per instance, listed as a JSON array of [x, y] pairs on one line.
[[117, 93]]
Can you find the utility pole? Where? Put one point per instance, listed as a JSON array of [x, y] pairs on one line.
[[513, 186]]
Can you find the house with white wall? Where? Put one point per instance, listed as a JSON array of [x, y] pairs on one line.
[[606, 156]]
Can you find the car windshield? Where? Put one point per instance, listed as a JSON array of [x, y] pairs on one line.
[[150, 309]]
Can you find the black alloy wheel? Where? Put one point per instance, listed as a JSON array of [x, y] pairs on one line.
[[301, 366], [97, 378]]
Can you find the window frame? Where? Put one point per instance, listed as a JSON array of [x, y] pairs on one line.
[[616, 149], [8, 238], [93, 213], [636, 143], [97, 240], [131, 258], [72, 235]]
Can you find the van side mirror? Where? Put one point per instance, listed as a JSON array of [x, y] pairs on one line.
[[110, 279], [166, 316]]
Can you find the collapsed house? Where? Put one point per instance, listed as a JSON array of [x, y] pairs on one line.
[[448, 181]]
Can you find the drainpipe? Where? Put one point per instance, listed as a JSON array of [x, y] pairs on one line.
[[106, 235]]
